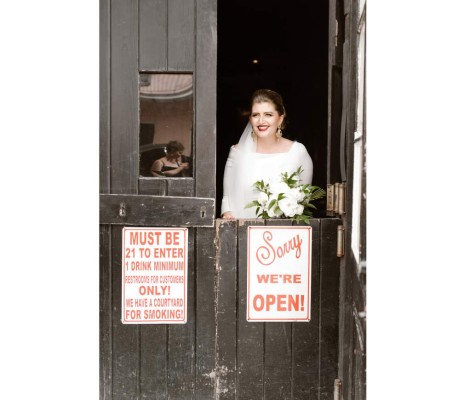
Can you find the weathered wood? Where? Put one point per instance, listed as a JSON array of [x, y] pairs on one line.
[[278, 351], [250, 343], [125, 338], [181, 187], [105, 95], [336, 38], [181, 34], [153, 35], [350, 286], [184, 187], [226, 336], [305, 348], [106, 354], [218, 354], [181, 340], [205, 313], [153, 362], [106, 350], [155, 187], [124, 97], [359, 356], [147, 210], [329, 295], [205, 95]]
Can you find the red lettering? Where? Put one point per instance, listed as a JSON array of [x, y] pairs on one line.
[[133, 314], [281, 302]]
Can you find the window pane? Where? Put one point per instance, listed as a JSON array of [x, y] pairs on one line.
[[166, 124]]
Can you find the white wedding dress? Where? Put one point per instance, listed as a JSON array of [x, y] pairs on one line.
[[245, 166]]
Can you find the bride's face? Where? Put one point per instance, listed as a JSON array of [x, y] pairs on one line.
[[265, 119]]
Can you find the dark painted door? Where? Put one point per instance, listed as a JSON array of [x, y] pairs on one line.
[[347, 174], [172, 38], [216, 354]]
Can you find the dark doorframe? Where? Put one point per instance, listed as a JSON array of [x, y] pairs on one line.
[[290, 42]]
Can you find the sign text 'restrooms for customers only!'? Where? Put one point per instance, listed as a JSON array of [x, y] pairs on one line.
[[154, 278]]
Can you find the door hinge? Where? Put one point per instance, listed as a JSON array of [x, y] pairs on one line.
[[336, 195], [340, 241], [337, 389], [340, 198]]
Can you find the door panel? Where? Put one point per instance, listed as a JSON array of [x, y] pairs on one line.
[[153, 35], [349, 17], [217, 353]]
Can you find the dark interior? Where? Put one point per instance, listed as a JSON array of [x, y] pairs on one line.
[[290, 42]]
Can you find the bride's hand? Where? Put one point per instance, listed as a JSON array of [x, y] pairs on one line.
[[228, 215]]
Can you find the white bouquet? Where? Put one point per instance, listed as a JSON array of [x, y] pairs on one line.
[[285, 197]]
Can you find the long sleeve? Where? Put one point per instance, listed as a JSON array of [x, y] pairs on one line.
[[304, 159], [227, 183]]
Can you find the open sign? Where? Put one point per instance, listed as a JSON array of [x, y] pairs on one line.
[[279, 273]]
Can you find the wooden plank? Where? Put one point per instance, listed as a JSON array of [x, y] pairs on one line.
[[106, 352], [306, 356], [182, 187], [359, 356], [153, 361], [125, 338], [345, 343], [155, 187], [205, 98], [205, 313], [105, 91], [181, 34], [181, 340], [250, 335], [124, 96], [226, 337], [329, 300], [145, 210], [153, 35], [278, 350], [105, 326]]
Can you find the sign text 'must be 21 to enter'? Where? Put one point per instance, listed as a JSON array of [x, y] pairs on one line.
[[154, 285]]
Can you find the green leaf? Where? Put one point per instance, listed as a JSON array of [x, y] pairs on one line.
[[254, 203]]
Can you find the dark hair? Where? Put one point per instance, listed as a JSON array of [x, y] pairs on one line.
[[268, 95], [173, 146]]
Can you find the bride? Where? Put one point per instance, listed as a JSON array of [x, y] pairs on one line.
[[262, 153]]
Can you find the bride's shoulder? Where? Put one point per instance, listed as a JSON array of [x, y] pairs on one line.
[[285, 144]]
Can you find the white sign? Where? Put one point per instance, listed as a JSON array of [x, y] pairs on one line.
[[154, 278], [279, 273]]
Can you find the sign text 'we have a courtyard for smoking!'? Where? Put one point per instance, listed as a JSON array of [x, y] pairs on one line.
[[279, 273], [154, 278]]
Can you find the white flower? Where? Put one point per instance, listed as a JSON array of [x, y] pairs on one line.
[[292, 194], [297, 194], [290, 206], [263, 198], [277, 187]]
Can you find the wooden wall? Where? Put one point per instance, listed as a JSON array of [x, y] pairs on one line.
[[218, 354]]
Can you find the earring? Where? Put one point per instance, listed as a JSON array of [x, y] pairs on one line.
[[278, 133], [253, 134]]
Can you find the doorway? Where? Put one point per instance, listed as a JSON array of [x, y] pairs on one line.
[[281, 46]]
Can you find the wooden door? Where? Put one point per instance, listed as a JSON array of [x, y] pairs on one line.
[[216, 354], [159, 37], [346, 153]]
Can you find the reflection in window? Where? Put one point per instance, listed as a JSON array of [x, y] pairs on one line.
[[166, 123]]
